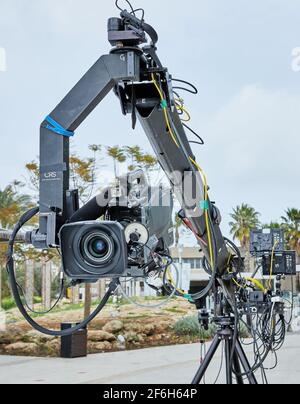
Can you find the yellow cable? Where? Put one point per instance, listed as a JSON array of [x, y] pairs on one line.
[[170, 129], [257, 283], [199, 169], [183, 109], [174, 284], [165, 111], [272, 264], [231, 273], [229, 259], [157, 87], [206, 212], [238, 284]]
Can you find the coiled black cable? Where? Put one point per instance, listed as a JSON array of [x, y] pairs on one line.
[[16, 294]]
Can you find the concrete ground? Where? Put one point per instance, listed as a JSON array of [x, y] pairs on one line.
[[168, 365]]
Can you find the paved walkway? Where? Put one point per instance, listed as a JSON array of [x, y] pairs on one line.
[[150, 366]]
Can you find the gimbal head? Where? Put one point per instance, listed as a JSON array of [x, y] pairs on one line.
[[129, 30]]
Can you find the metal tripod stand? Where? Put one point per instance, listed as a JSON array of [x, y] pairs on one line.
[[233, 364]]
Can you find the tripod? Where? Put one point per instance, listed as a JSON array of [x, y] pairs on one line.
[[233, 364]]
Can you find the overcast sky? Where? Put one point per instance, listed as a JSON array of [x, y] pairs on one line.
[[238, 53]]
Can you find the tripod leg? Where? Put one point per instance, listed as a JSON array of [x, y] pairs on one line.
[[237, 369], [207, 360], [228, 350], [245, 363]]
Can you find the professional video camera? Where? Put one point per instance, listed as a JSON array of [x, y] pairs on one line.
[[137, 223]]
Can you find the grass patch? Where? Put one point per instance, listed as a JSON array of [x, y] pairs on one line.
[[9, 303], [175, 311]]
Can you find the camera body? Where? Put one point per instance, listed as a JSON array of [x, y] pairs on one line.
[[93, 250], [137, 223], [147, 228]]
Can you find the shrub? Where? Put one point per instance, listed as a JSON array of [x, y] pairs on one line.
[[37, 300], [190, 327], [187, 326], [9, 303]]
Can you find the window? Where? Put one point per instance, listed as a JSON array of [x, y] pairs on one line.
[[198, 263]]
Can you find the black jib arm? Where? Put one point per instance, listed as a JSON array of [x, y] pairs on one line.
[[128, 71]]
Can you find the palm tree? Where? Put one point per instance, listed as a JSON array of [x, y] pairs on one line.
[[135, 154], [245, 218], [149, 164], [291, 225], [12, 205], [118, 156]]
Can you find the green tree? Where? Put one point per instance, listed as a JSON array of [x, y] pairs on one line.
[[118, 155], [149, 162], [272, 226], [12, 205], [139, 159], [244, 219], [134, 155], [82, 176], [291, 225]]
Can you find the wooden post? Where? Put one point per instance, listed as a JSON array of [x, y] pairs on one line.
[[99, 289], [46, 285], [87, 300], [29, 282], [102, 288], [75, 294]]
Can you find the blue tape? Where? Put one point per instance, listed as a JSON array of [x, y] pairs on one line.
[[57, 128]]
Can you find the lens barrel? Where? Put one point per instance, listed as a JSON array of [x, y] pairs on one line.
[[97, 248], [93, 250]]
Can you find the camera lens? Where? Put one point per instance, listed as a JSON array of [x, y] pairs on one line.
[[97, 248]]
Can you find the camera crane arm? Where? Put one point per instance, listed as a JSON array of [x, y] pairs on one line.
[[144, 88]]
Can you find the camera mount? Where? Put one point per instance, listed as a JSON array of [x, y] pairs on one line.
[[235, 356]]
